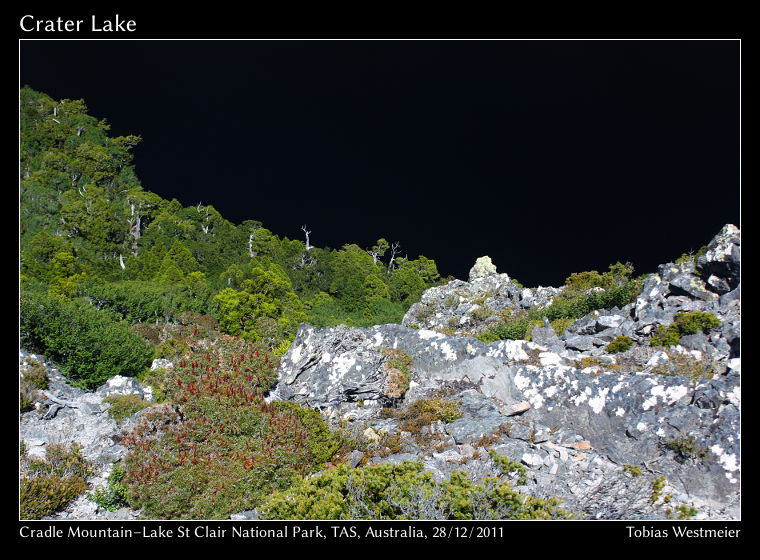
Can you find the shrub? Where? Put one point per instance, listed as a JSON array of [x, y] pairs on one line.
[[684, 365], [114, 495], [684, 324], [686, 448], [217, 447], [697, 321], [510, 468], [620, 344], [403, 492], [426, 411], [90, 346], [124, 406], [666, 336], [49, 484]]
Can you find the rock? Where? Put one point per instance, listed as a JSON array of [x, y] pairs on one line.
[[720, 264], [483, 267]]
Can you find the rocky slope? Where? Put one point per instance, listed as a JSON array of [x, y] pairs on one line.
[[645, 433], [601, 431]]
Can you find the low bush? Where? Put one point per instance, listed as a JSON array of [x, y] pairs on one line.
[[684, 324], [124, 406], [424, 412], [387, 492], [620, 344], [90, 345], [216, 447], [48, 484]]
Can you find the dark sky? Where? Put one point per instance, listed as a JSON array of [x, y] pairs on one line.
[[550, 156]]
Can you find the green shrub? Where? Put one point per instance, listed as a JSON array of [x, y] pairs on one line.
[[564, 310], [697, 321], [620, 344], [124, 406], [90, 346], [510, 468], [684, 324], [686, 448], [666, 336], [386, 492], [114, 495]]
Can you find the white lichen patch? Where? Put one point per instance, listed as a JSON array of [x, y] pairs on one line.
[[426, 334], [597, 403], [642, 426], [377, 340], [342, 364], [448, 351], [620, 411], [469, 349], [521, 381], [549, 359]]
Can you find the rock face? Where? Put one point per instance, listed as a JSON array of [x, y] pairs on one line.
[[594, 429]]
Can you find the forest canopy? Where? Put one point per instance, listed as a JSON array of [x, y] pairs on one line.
[[90, 233]]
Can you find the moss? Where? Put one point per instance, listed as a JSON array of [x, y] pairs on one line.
[[633, 470]]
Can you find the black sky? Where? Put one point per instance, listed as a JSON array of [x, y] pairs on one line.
[[549, 156]]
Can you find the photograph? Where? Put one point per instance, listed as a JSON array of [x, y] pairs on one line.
[[415, 287]]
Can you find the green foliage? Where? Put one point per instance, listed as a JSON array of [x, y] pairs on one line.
[[124, 406], [90, 346], [137, 301], [681, 512], [574, 304], [684, 324], [114, 495], [35, 374], [403, 492], [696, 321], [633, 470], [323, 442], [48, 484], [686, 448], [666, 336], [507, 467], [620, 344]]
